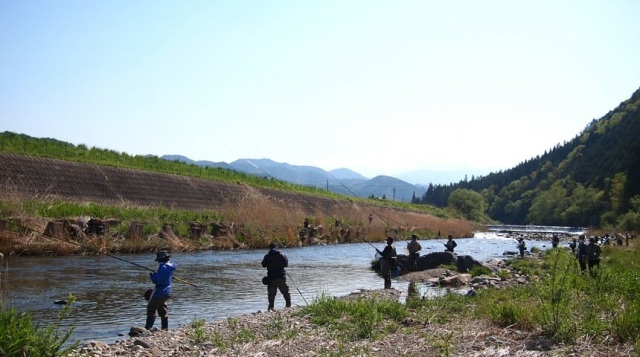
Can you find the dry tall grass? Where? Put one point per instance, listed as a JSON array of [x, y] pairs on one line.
[[254, 223]]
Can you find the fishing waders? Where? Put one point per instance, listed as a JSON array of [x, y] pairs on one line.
[[387, 282], [150, 321], [272, 289], [159, 305]]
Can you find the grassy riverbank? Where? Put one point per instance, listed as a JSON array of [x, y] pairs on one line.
[[24, 223]]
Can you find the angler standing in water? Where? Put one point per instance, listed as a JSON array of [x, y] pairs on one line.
[[387, 262], [414, 248], [158, 300], [521, 246], [276, 278], [451, 244]]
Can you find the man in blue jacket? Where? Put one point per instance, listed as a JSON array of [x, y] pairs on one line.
[[275, 262], [158, 301]]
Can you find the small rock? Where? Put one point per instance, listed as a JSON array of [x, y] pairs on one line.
[[155, 351], [141, 343], [99, 345], [137, 331]]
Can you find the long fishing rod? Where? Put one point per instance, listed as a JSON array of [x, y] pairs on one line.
[[325, 212], [101, 252], [363, 202], [317, 206], [292, 190], [379, 252], [296, 286]]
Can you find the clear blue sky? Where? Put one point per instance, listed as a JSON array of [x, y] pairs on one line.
[[379, 87]]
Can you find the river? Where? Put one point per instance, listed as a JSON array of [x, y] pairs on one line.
[[109, 291]]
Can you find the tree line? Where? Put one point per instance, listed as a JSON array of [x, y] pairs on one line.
[[592, 180]]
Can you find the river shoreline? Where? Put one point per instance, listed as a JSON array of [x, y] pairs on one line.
[[289, 332]]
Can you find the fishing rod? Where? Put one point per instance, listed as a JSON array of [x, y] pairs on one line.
[[380, 252], [327, 213], [317, 206], [101, 252], [296, 286]]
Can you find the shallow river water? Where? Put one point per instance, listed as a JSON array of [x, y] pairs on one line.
[[109, 291]]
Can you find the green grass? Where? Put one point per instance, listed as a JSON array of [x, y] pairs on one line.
[[355, 319], [559, 301], [480, 270], [20, 336], [569, 304]]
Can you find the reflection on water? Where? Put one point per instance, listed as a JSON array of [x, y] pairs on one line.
[[109, 292]]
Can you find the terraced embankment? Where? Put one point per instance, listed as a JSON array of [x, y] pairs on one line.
[[29, 177]]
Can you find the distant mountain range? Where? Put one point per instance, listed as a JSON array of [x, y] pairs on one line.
[[343, 181]]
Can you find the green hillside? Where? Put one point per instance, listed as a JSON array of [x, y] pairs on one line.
[[52, 148], [592, 180]]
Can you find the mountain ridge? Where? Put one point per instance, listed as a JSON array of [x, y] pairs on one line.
[[343, 180]]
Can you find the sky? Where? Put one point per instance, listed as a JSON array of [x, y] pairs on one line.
[[378, 87]]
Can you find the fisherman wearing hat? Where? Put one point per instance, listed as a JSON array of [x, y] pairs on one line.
[[521, 246], [158, 300], [451, 244], [414, 248], [387, 262], [276, 278]]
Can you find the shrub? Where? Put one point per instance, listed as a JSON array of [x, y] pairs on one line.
[[20, 336], [480, 270], [354, 319]]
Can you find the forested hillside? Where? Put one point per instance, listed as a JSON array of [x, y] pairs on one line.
[[592, 180]]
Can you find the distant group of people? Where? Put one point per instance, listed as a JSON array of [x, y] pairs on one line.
[[388, 256], [588, 255]]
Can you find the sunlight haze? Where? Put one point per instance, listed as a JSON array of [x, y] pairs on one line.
[[378, 87]]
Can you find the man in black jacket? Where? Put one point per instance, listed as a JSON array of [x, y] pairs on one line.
[[275, 262], [387, 262]]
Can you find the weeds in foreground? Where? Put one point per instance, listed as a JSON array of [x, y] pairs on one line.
[[480, 270], [240, 334], [443, 343], [566, 303], [555, 294], [279, 328], [20, 336], [442, 309], [355, 319], [526, 266], [345, 349], [560, 300], [243, 334], [196, 331], [508, 307]]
